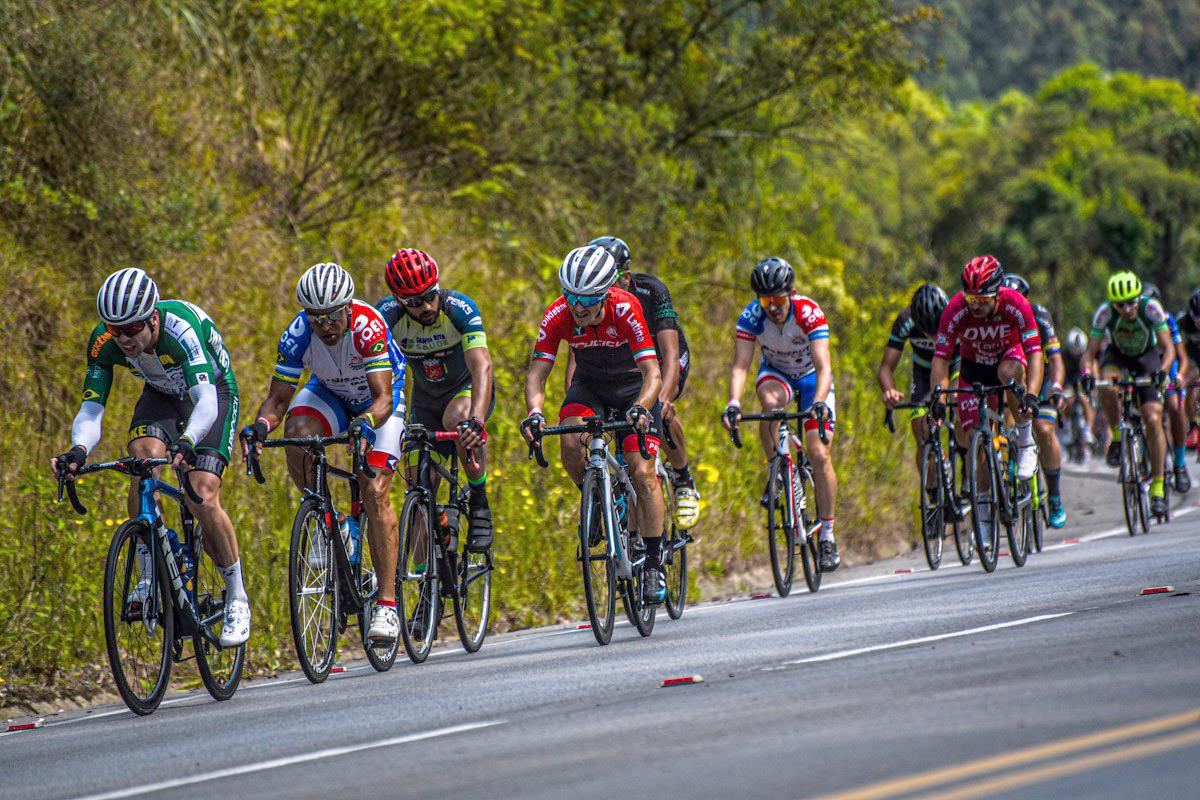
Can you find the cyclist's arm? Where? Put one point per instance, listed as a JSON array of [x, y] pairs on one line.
[[185, 347], [535, 384], [279, 395], [668, 343], [379, 381], [887, 369], [743, 353], [1035, 372], [1058, 370], [1087, 361], [651, 382], [570, 376], [939, 372], [1166, 347], [97, 383], [479, 364], [824, 364]]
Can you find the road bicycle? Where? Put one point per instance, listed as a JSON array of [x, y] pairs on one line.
[[329, 579], [431, 567], [674, 540], [792, 514], [184, 593], [1134, 471], [611, 557]]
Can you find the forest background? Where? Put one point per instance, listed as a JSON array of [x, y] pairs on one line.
[[226, 145]]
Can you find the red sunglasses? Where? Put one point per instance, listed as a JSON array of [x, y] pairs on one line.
[[127, 330]]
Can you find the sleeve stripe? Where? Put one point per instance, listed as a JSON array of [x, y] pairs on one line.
[[819, 333], [285, 378], [538, 355], [643, 355], [745, 335], [283, 369]]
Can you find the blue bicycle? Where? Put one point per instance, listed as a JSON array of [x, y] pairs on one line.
[[160, 593]]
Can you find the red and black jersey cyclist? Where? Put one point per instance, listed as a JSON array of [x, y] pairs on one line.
[[997, 338], [674, 360], [440, 332], [616, 374]]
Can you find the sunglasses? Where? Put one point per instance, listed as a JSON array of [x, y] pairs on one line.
[[421, 299], [127, 330], [978, 299], [1124, 304], [327, 318], [584, 300], [773, 301]]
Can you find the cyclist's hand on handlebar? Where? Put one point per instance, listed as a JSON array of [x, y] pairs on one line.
[[362, 434], [668, 409], [1056, 396], [821, 412], [1087, 382], [1029, 405], [472, 433], [69, 462], [532, 425], [891, 397], [1160, 378], [639, 418], [731, 417], [253, 436], [183, 452], [937, 409]]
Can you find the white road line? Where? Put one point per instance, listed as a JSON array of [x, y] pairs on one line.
[[926, 639], [275, 763]]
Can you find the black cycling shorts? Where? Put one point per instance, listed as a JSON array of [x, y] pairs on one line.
[[163, 417], [428, 412], [922, 384], [1142, 366], [612, 402]]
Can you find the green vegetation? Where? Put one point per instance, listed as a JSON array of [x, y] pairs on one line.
[[226, 146]]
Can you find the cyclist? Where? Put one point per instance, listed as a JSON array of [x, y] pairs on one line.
[[1050, 401], [188, 409], [998, 341], [917, 324], [1174, 397], [1076, 344], [1139, 344], [616, 374], [1189, 328], [793, 334], [356, 386], [674, 362], [441, 332]]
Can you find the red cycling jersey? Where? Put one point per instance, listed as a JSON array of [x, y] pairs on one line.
[[1011, 332], [607, 350]]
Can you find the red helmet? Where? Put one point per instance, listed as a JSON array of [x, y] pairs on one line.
[[982, 275], [411, 272]]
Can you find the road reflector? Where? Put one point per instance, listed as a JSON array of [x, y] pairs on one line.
[[1005, 554], [584, 626], [336, 670], [1071, 541], [902, 571], [684, 681], [759, 596], [1156, 590], [28, 726]]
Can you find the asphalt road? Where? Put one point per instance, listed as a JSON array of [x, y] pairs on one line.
[[1055, 680]]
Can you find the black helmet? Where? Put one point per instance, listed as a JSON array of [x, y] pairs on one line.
[[1194, 304], [1151, 290], [1014, 281], [928, 303], [772, 275], [616, 248]]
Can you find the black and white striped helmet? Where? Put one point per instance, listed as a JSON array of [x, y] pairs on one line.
[[588, 270], [325, 286], [128, 295]]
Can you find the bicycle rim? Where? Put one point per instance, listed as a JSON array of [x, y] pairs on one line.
[[1130, 489], [963, 541], [779, 529], [313, 593], [809, 560], [985, 512], [418, 599], [139, 650], [674, 555], [932, 502], [220, 667], [1019, 532], [473, 599], [599, 578], [1139, 452], [381, 656]]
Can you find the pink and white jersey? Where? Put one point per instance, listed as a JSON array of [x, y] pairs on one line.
[[786, 347], [1012, 327]]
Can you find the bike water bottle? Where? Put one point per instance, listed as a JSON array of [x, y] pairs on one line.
[[183, 559], [620, 504], [351, 538]]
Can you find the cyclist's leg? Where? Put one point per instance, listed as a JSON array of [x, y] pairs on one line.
[[383, 530], [153, 426], [1177, 419], [1111, 369], [457, 410], [824, 475], [314, 411], [677, 455], [645, 483], [579, 402], [919, 393], [774, 391]]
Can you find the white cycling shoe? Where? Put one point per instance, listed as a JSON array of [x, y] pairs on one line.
[[1027, 461], [235, 627], [385, 625], [687, 507]]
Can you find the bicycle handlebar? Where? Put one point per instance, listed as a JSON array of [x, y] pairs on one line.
[[421, 434], [1126, 383], [593, 425], [358, 463], [136, 467], [778, 415], [890, 423]]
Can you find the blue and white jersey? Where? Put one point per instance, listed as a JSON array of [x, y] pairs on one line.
[[786, 347]]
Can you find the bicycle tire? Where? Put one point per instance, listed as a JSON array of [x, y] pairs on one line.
[[1041, 514], [1130, 488], [964, 542], [986, 532], [472, 599], [1020, 531], [417, 579], [1143, 473], [141, 695], [640, 615], [315, 634], [779, 544], [220, 668], [810, 561], [674, 554], [381, 657], [591, 515], [933, 524]]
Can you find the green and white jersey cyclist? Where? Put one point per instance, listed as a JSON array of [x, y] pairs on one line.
[[441, 334], [188, 408]]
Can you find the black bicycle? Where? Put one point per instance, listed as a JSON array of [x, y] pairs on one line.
[[611, 556], [155, 598], [792, 513], [674, 540], [329, 578], [1134, 472], [431, 567]]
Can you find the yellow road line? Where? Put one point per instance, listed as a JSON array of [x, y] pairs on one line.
[[1082, 764], [925, 780]]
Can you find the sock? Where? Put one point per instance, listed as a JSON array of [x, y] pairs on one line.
[[683, 477], [1156, 487], [1025, 434], [478, 491], [233, 581], [653, 551], [1180, 456], [826, 534], [1053, 476], [386, 603], [1115, 430]]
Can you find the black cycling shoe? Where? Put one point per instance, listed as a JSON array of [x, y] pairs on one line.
[[1113, 456], [1158, 505], [654, 586], [830, 560], [479, 537], [1183, 482]]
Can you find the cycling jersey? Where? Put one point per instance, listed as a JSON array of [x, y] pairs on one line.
[[438, 351], [1011, 332], [1046, 332], [1130, 337], [343, 368], [904, 329], [608, 352], [658, 309], [786, 347], [1189, 330]]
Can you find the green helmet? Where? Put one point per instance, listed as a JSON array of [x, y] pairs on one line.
[[1124, 286]]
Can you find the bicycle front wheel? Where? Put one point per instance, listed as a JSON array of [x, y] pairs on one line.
[[985, 499], [418, 595], [314, 596], [805, 492], [595, 561], [1020, 531], [933, 523], [139, 619], [1041, 514], [381, 656], [674, 554], [220, 667], [780, 526], [473, 599], [641, 615]]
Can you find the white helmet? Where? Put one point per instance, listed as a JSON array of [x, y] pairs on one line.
[[128, 295], [325, 286], [1076, 342], [588, 270]]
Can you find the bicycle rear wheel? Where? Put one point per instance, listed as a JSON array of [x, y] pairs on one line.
[[314, 594], [473, 598], [220, 667], [963, 541], [641, 615], [418, 595], [1041, 515], [805, 492], [985, 499], [595, 561], [1020, 532], [138, 639], [381, 656], [933, 500], [779, 528], [674, 554]]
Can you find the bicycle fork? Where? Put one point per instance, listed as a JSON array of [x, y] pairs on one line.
[[598, 461]]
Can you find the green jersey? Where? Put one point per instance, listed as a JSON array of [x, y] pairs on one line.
[[1130, 337]]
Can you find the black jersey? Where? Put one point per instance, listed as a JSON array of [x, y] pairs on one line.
[[905, 330], [658, 309], [1189, 329]]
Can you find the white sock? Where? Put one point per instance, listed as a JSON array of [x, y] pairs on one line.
[[826, 534], [233, 581], [1025, 434]]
